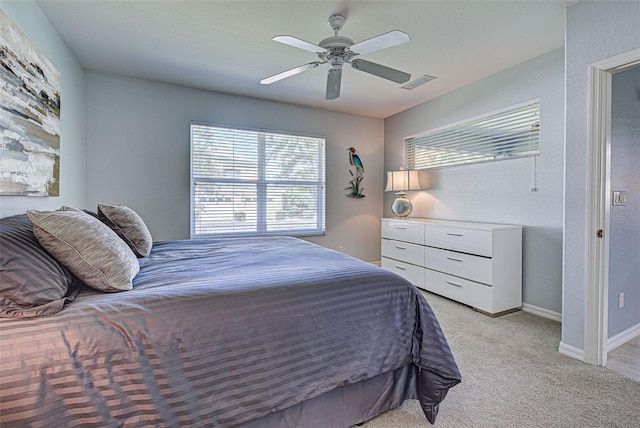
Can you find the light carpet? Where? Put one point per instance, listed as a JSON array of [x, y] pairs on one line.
[[514, 376]]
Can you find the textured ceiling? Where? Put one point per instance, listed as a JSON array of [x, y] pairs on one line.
[[226, 46]]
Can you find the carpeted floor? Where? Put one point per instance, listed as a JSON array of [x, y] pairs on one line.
[[514, 376]]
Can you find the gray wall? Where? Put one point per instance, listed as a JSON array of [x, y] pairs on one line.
[[138, 154], [624, 231], [595, 30], [30, 19], [498, 192]]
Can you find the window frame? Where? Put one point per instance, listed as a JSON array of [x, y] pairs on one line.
[[261, 183]]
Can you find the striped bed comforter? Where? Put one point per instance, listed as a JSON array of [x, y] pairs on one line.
[[219, 333]]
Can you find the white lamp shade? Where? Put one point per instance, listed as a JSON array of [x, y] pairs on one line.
[[402, 181]]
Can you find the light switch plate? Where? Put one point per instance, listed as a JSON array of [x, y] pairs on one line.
[[621, 300], [619, 198]]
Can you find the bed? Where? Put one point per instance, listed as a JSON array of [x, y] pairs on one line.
[[252, 332]]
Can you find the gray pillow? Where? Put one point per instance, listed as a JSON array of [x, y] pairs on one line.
[[32, 282], [88, 248], [129, 226]]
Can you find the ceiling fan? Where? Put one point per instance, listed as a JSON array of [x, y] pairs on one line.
[[339, 50]]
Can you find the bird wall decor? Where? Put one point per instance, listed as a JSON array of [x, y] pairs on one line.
[[357, 177]]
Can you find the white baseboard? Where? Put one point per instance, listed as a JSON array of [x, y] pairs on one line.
[[571, 351], [623, 337], [542, 312]]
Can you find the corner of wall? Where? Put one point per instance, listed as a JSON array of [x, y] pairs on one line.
[[571, 351]]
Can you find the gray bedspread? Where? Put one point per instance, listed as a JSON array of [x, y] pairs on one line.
[[218, 333]]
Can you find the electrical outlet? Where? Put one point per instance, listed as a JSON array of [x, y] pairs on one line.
[[621, 300], [341, 249]]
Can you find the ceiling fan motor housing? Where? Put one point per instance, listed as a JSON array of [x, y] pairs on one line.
[[336, 47], [336, 50], [336, 42]]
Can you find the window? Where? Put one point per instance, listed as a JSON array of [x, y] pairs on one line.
[[506, 134], [247, 182]]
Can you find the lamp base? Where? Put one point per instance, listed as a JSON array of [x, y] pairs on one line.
[[401, 207]]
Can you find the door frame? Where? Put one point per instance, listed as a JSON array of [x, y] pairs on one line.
[[598, 201]]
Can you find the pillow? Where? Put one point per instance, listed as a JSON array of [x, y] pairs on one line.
[[88, 248], [32, 282], [129, 226]]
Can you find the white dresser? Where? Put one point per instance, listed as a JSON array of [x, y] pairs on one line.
[[478, 264]]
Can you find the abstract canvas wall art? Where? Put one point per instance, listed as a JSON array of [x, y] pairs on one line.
[[29, 116]]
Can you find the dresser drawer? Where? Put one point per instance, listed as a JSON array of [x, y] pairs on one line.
[[468, 292], [403, 251], [471, 241], [414, 274], [403, 231], [459, 264]]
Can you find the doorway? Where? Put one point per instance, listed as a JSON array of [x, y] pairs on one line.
[[599, 200], [623, 228]]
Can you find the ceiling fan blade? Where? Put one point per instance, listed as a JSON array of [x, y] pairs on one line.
[[299, 43], [381, 71], [333, 83], [289, 73], [386, 40]]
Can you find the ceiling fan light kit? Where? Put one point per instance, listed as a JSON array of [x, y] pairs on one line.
[[339, 50]]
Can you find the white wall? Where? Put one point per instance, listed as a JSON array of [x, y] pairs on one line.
[[138, 154], [499, 192], [30, 19], [595, 30], [624, 231]]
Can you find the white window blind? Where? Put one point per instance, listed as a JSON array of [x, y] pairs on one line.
[[247, 182], [510, 133]]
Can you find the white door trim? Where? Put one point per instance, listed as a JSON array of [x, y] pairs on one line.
[[599, 130]]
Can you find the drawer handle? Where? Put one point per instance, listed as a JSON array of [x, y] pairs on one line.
[[454, 234], [401, 227], [454, 259], [401, 267], [453, 283], [400, 248]]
